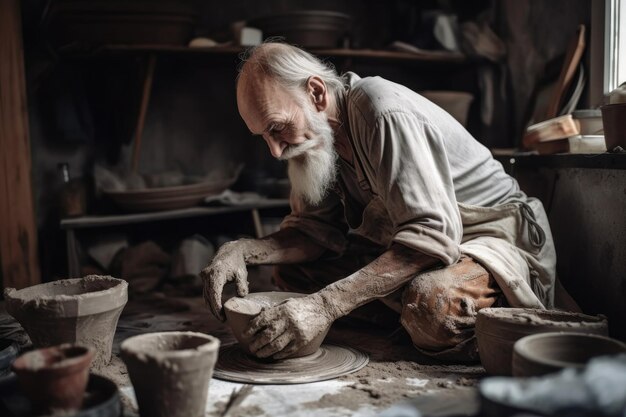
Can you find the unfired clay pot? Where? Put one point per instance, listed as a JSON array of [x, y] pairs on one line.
[[55, 378], [170, 372], [497, 330], [544, 353], [239, 311], [83, 311]]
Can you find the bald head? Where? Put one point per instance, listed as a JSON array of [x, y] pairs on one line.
[[288, 65]]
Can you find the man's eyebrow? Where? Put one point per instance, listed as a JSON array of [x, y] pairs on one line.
[[270, 126], [264, 131]]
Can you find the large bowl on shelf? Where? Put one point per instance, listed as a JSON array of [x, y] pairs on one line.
[[168, 198], [306, 28]]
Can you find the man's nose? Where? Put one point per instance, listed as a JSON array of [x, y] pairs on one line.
[[276, 146]]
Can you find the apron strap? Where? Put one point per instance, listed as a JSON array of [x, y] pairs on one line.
[[536, 234]]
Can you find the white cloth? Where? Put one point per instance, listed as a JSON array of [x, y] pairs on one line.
[[421, 180], [233, 198]]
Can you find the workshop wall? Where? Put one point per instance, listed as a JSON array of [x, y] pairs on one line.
[[536, 34], [586, 211]]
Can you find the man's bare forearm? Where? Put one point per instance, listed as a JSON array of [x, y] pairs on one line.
[[286, 246], [384, 275]]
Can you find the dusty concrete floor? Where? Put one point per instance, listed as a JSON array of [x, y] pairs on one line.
[[396, 372]]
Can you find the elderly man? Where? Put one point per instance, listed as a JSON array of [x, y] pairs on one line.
[[391, 200]]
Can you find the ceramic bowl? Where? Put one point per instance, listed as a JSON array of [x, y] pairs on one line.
[[101, 399], [239, 311], [83, 311], [544, 353], [497, 330], [306, 28]]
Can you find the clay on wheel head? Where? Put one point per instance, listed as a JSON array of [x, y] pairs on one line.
[[239, 311]]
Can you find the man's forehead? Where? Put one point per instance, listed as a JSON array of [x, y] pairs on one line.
[[255, 86], [261, 98]]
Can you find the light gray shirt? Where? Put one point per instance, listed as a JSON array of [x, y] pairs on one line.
[[413, 163]]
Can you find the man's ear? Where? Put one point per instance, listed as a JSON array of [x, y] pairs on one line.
[[317, 92]]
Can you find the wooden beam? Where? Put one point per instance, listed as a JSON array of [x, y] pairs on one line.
[[18, 232]]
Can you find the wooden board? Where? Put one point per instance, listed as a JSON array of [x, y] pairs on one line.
[[18, 232]]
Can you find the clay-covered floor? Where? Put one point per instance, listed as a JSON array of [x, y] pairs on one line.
[[395, 374]]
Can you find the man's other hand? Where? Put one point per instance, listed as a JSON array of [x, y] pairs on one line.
[[282, 330], [228, 265]]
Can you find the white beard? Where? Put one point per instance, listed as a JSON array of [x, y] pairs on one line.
[[312, 164]]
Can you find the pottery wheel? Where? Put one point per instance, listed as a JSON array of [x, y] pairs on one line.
[[330, 361]]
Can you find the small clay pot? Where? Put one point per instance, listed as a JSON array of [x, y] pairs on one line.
[[613, 116], [54, 379], [170, 372], [544, 353], [83, 311], [497, 330], [239, 311]]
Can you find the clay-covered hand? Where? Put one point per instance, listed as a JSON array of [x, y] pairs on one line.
[[282, 330], [228, 265]]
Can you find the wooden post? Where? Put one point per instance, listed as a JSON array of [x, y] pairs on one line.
[[18, 232]]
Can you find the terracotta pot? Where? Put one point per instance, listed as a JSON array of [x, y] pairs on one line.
[[83, 311], [497, 330], [55, 378], [544, 353], [613, 116], [239, 311], [170, 372]]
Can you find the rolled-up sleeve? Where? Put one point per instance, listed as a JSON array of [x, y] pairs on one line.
[[406, 161], [324, 223]]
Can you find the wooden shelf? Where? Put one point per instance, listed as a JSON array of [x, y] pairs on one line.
[[564, 160], [435, 57], [85, 222]]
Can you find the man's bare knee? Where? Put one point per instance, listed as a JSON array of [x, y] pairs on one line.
[[439, 306]]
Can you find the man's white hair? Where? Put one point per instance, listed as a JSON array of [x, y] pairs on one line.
[[290, 66]]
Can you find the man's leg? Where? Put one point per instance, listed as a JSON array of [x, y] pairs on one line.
[[439, 309]]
